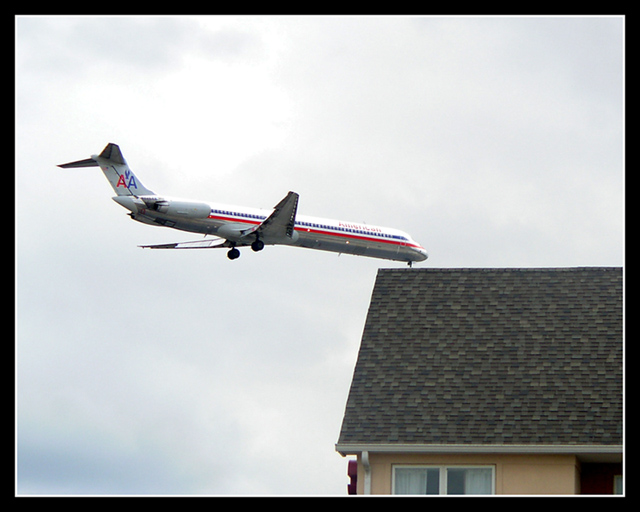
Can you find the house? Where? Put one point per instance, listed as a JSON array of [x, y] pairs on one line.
[[489, 381]]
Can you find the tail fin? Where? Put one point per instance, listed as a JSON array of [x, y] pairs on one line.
[[116, 170]]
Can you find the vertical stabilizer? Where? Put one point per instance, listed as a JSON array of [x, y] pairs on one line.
[[116, 170]]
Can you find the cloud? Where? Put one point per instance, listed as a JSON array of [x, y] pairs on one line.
[[493, 141]]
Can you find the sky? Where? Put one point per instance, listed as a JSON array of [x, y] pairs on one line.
[[493, 141]]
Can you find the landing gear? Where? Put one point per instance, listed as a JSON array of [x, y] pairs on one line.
[[234, 253]]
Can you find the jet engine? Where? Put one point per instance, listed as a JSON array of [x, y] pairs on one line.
[[171, 207]]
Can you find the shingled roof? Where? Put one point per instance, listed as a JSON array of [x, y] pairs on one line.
[[489, 356]]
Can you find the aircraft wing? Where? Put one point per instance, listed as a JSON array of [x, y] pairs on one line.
[[276, 228], [209, 243], [280, 224]]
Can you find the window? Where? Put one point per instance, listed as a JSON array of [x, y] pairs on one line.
[[443, 480], [417, 481]]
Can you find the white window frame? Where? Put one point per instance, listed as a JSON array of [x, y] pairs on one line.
[[443, 474], [618, 484]]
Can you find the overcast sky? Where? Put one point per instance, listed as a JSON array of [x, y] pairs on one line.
[[494, 142]]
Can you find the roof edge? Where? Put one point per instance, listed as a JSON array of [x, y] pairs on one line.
[[355, 449], [502, 269]]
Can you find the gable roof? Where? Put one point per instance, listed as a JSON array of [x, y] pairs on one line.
[[489, 357]]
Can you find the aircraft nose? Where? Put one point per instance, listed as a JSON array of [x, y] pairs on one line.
[[421, 253]]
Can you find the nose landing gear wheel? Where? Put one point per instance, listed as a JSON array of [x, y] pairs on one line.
[[233, 254]]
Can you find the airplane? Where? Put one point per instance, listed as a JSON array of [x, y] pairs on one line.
[[233, 226]]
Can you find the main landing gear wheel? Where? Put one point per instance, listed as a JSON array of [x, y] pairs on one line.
[[258, 245], [233, 254]]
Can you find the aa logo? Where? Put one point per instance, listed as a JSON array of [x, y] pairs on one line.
[[127, 180]]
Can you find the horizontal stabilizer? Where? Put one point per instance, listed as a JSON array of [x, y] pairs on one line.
[[89, 162], [209, 243]]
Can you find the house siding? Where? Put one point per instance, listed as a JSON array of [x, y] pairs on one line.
[[514, 474]]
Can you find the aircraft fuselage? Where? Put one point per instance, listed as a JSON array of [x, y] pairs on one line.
[[231, 222]]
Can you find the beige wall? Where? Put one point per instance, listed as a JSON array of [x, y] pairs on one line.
[[515, 474]]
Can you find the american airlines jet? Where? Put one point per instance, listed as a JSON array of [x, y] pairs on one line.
[[234, 226]]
